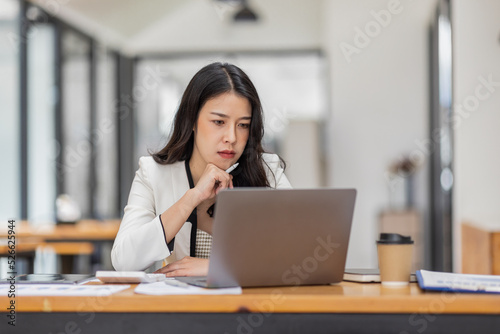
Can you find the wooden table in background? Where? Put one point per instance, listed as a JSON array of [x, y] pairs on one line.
[[343, 308], [25, 249], [481, 248], [84, 230], [66, 240]]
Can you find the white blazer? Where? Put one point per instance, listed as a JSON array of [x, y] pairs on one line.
[[140, 242]]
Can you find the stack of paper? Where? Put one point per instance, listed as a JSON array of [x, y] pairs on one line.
[[170, 287], [433, 280], [62, 290]]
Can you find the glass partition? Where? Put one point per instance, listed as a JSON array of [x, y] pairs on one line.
[[105, 136], [9, 116], [41, 141], [76, 134]]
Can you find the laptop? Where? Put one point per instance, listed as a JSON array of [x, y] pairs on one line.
[[278, 237]]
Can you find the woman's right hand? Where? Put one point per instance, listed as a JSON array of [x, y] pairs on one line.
[[212, 181]]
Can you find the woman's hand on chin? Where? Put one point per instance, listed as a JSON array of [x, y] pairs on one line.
[[188, 266], [212, 181]]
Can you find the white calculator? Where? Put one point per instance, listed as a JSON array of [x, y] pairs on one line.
[[128, 277]]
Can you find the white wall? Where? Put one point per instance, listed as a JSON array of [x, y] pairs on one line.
[[379, 107], [476, 33], [301, 151]]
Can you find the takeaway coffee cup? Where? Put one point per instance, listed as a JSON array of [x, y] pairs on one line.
[[394, 259]]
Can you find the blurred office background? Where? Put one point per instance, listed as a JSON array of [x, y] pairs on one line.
[[398, 99]]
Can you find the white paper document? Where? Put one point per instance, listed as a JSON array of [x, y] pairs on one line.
[[62, 290], [173, 287], [441, 281]]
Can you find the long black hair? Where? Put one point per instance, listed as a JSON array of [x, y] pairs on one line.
[[210, 82]]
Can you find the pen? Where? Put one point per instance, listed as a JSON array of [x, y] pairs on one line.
[[210, 210], [233, 167]]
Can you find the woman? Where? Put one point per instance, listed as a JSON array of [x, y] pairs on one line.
[[167, 220]]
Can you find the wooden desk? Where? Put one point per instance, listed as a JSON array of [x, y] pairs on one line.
[[21, 248], [84, 230], [25, 250], [74, 239], [481, 248], [343, 308]]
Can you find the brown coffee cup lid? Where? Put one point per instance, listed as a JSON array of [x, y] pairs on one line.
[[394, 238]]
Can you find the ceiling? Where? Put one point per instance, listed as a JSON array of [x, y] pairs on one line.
[[117, 20], [142, 26], [111, 13]]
